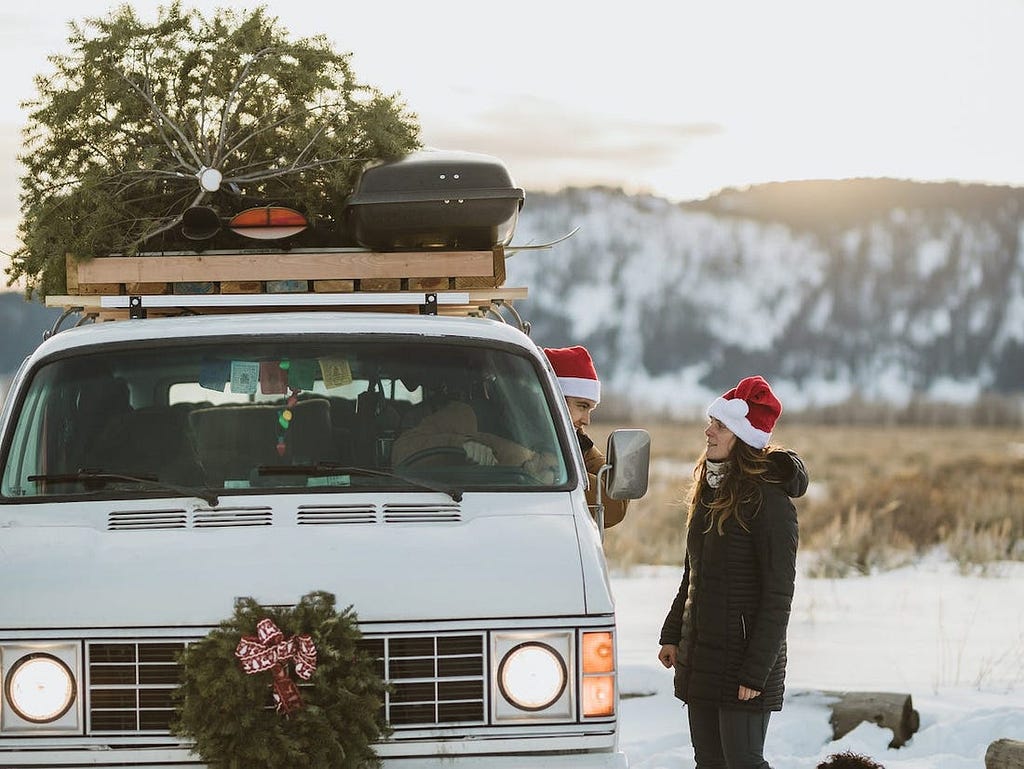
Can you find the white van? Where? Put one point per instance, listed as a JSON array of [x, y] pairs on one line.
[[151, 475]]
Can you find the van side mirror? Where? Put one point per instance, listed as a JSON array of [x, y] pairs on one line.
[[629, 455]]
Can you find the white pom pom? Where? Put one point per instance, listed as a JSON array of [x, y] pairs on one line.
[[734, 407]]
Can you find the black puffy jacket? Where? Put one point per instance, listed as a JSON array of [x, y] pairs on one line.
[[730, 615]]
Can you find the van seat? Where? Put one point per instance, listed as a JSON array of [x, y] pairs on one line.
[[233, 440], [152, 441]]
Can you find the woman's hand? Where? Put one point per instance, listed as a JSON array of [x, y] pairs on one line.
[[667, 655], [746, 693]]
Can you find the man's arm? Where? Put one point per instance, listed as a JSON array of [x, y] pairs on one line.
[[594, 459]]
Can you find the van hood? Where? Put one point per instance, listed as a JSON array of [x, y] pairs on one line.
[[521, 564]]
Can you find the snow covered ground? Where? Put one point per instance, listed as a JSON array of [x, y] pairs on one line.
[[955, 643]]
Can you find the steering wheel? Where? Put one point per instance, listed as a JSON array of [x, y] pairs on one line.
[[442, 455]]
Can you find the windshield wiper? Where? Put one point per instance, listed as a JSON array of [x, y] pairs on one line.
[[322, 469], [87, 475]]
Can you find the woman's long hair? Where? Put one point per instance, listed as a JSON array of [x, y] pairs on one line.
[[740, 491]]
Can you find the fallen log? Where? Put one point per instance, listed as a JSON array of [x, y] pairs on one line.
[[1005, 754], [889, 710]]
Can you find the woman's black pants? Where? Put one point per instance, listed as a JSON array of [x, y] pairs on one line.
[[727, 738]]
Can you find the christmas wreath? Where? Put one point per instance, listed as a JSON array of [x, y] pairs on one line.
[[282, 688]]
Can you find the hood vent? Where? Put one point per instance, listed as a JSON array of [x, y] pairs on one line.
[[140, 520], [225, 517], [422, 513], [306, 515], [332, 515], [233, 517]]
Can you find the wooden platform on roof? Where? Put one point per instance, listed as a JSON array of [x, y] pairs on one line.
[[297, 271]]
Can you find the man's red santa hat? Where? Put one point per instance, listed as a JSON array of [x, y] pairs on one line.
[[749, 410], [575, 371]]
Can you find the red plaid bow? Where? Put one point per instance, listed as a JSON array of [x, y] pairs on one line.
[[270, 650]]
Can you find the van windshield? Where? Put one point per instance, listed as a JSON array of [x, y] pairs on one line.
[[283, 416]]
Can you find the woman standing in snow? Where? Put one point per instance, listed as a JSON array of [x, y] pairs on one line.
[[725, 634]]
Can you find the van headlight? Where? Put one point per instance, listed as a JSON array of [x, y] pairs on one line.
[[532, 676], [40, 688]]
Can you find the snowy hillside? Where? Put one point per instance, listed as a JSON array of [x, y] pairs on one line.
[[900, 288]]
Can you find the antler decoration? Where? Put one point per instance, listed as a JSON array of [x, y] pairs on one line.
[[270, 650]]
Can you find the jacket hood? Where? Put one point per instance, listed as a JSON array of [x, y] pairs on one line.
[[789, 472]]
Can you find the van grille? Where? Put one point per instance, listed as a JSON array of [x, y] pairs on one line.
[[435, 680], [130, 686]]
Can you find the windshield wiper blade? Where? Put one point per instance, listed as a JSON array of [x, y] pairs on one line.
[[321, 469], [86, 475]]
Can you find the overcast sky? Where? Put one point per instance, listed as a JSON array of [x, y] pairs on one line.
[[673, 97]]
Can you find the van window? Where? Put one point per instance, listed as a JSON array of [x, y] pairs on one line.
[[283, 417]]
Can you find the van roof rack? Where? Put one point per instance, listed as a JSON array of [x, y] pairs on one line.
[[120, 307], [168, 284]]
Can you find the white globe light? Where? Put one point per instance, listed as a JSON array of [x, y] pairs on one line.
[[210, 179]]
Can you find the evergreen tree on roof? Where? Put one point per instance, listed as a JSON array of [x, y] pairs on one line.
[[140, 120]]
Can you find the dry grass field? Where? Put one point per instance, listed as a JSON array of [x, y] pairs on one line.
[[878, 496]]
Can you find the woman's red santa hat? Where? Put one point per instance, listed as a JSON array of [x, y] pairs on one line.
[[749, 410], [575, 371]]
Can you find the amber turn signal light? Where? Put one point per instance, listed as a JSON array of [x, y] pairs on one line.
[[598, 696], [598, 653], [598, 658]]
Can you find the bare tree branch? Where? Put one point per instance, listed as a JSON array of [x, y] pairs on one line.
[[270, 174], [161, 120], [276, 124], [228, 102], [170, 225]]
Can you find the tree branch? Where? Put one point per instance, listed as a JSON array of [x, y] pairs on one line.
[[270, 174], [276, 124], [169, 225], [161, 120], [228, 102]]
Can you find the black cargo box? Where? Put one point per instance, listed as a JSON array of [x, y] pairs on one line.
[[434, 199]]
